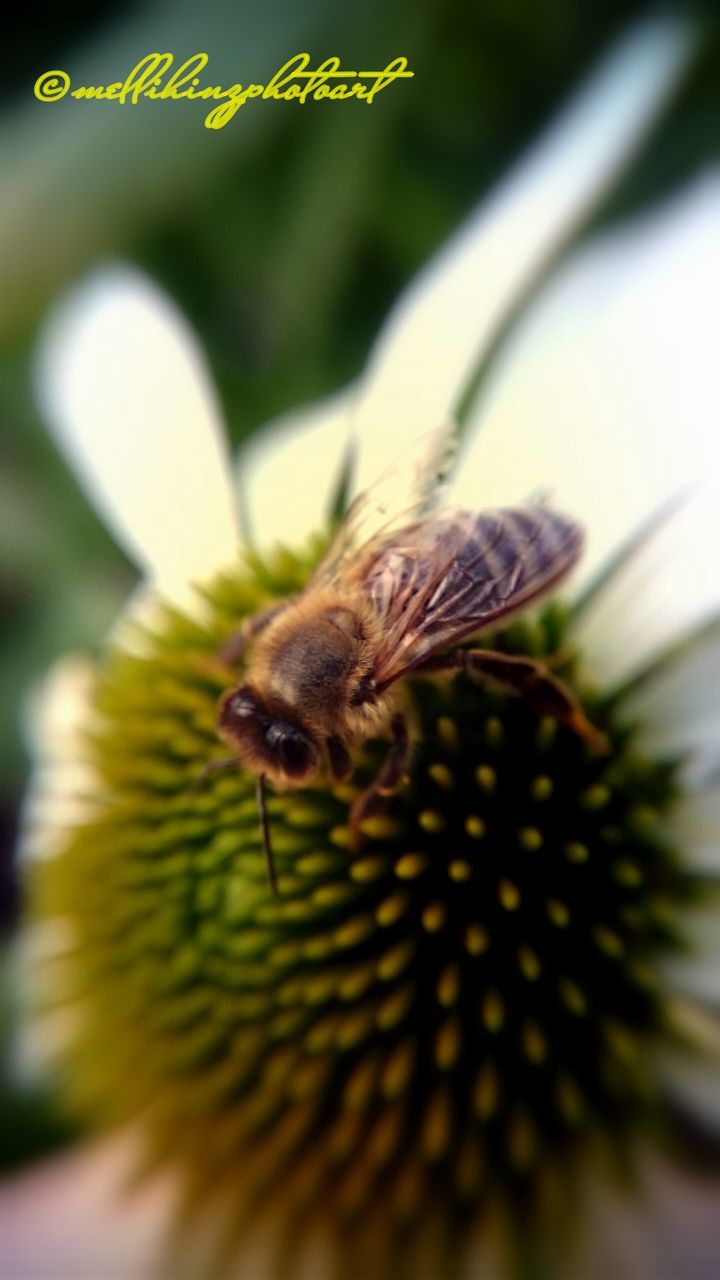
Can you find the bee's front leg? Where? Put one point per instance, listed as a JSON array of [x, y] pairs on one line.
[[235, 646], [386, 782], [527, 678]]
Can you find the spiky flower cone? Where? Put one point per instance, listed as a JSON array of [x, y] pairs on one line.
[[408, 1039]]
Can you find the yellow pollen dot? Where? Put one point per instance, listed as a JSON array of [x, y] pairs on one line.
[[434, 916], [340, 837], [411, 865], [322, 1034], [546, 733], [642, 818], [318, 948], [395, 960], [333, 895], [432, 821], [318, 988], [607, 941], [475, 827], [575, 851], [569, 1100], [493, 1011], [381, 827], [476, 939], [383, 1139], [486, 777], [361, 1084], [367, 869], [529, 963], [448, 986], [533, 1042], [541, 787], [627, 873], [447, 1044], [595, 797], [522, 1141], [392, 1010], [572, 996], [315, 864], [486, 1092], [353, 931], [509, 895], [356, 982], [494, 732], [397, 1070], [437, 1127], [460, 869], [621, 1043], [468, 1170], [447, 732], [392, 909], [530, 838], [558, 913], [354, 1028], [442, 776]]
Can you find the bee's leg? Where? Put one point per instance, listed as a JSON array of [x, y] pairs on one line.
[[530, 680], [386, 782], [213, 766], [235, 646]]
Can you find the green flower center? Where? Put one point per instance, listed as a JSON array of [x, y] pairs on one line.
[[442, 1022]]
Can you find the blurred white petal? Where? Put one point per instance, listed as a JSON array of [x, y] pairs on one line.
[[57, 715], [288, 470], [607, 399], [678, 705], [691, 1075], [696, 823], [452, 311], [666, 1231], [124, 387], [697, 975], [70, 1217], [660, 594]]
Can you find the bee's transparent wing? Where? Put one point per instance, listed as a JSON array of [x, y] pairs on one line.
[[407, 491], [451, 575]]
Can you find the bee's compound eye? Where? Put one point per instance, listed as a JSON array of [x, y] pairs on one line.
[[292, 750]]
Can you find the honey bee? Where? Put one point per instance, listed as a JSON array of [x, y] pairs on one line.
[[392, 595]]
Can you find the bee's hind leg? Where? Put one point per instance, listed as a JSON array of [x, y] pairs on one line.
[[530, 680], [385, 783]]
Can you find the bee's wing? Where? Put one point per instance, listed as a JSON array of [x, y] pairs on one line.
[[450, 575], [406, 491]]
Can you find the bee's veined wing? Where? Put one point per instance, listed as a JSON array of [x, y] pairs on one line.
[[450, 575], [408, 490]]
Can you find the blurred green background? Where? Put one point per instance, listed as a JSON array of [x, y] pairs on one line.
[[284, 237]]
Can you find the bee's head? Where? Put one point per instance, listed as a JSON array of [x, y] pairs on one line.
[[266, 740]]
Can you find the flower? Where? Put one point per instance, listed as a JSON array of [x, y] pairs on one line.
[[437, 1035]]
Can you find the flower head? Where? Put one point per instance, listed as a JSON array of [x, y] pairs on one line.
[[435, 1032]]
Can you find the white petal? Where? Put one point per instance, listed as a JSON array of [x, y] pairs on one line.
[[607, 398], [678, 705], [289, 469], [662, 593], [453, 310], [57, 714], [697, 975], [74, 1216], [124, 387], [691, 1075], [696, 824]]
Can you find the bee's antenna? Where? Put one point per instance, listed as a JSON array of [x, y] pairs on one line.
[[267, 847]]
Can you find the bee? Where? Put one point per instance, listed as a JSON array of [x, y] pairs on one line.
[[392, 596]]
